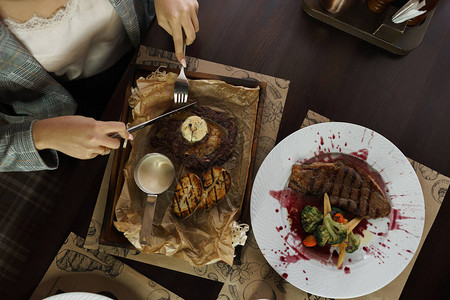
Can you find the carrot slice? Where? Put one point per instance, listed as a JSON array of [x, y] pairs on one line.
[[339, 218], [310, 241]]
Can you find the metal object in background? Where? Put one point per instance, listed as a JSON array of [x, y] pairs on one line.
[[336, 6]]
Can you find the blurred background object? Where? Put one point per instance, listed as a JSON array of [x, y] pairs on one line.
[[336, 6], [378, 6], [414, 11]]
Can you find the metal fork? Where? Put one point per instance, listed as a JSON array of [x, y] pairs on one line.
[[180, 93]]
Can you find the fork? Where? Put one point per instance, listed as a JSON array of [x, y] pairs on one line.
[[180, 93]]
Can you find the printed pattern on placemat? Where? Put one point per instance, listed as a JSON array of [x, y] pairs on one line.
[[76, 269], [255, 278]]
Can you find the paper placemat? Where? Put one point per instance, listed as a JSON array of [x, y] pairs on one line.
[[255, 278], [75, 269]]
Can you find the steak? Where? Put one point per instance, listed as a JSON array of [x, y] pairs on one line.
[[347, 186], [214, 149]]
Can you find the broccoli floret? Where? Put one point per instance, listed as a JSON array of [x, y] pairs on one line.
[[311, 217], [337, 231], [322, 235], [353, 243]]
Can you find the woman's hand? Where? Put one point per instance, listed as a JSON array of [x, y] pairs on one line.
[[78, 136], [175, 16]]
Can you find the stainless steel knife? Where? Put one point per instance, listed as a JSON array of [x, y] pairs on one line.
[[146, 123]]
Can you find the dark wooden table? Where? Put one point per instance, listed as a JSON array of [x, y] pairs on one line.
[[404, 98]]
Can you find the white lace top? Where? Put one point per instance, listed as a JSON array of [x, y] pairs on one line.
[[80, 40]]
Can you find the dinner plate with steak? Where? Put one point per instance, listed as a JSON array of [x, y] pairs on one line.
[[337, 210]]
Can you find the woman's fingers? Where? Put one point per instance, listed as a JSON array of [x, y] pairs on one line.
[[178, 42], [78, 136], [194, 18], [110, 128], [189, 30], [104, 150], [166, 26], [117, 127], [176, 16], [177, 33]]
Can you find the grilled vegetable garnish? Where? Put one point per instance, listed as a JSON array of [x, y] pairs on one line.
[[192, 194], [311, 217], [188, 194], [216, 183], [330, 232]]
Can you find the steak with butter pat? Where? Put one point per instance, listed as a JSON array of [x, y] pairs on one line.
[[347, 186], [213, 149]]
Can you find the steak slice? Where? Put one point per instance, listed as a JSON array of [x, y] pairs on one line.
[[347, 186]]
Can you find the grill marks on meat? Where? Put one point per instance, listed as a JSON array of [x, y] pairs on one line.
[[216, 184], [188, 195], [347, 186], [193, 192], [214, 149]]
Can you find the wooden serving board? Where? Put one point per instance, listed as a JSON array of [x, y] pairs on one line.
[[109, 235]]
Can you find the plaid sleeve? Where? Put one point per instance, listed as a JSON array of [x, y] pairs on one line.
[[27, 93], [18, 152]]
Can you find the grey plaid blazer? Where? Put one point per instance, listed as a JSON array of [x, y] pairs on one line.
[[28, 93]]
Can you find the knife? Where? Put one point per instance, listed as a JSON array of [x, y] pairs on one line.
[[146, 123]]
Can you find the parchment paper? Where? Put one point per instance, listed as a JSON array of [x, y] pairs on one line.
[[205, 236]]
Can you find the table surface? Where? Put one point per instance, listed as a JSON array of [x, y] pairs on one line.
[[404, 98]]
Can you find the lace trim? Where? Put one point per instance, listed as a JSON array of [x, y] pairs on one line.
[[238, 233], [37, 22]]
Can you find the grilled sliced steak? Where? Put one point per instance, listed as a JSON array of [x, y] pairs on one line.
[[347, 186]]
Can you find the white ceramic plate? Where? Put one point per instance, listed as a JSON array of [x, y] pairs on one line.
[[77, 296], [389, 243]]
